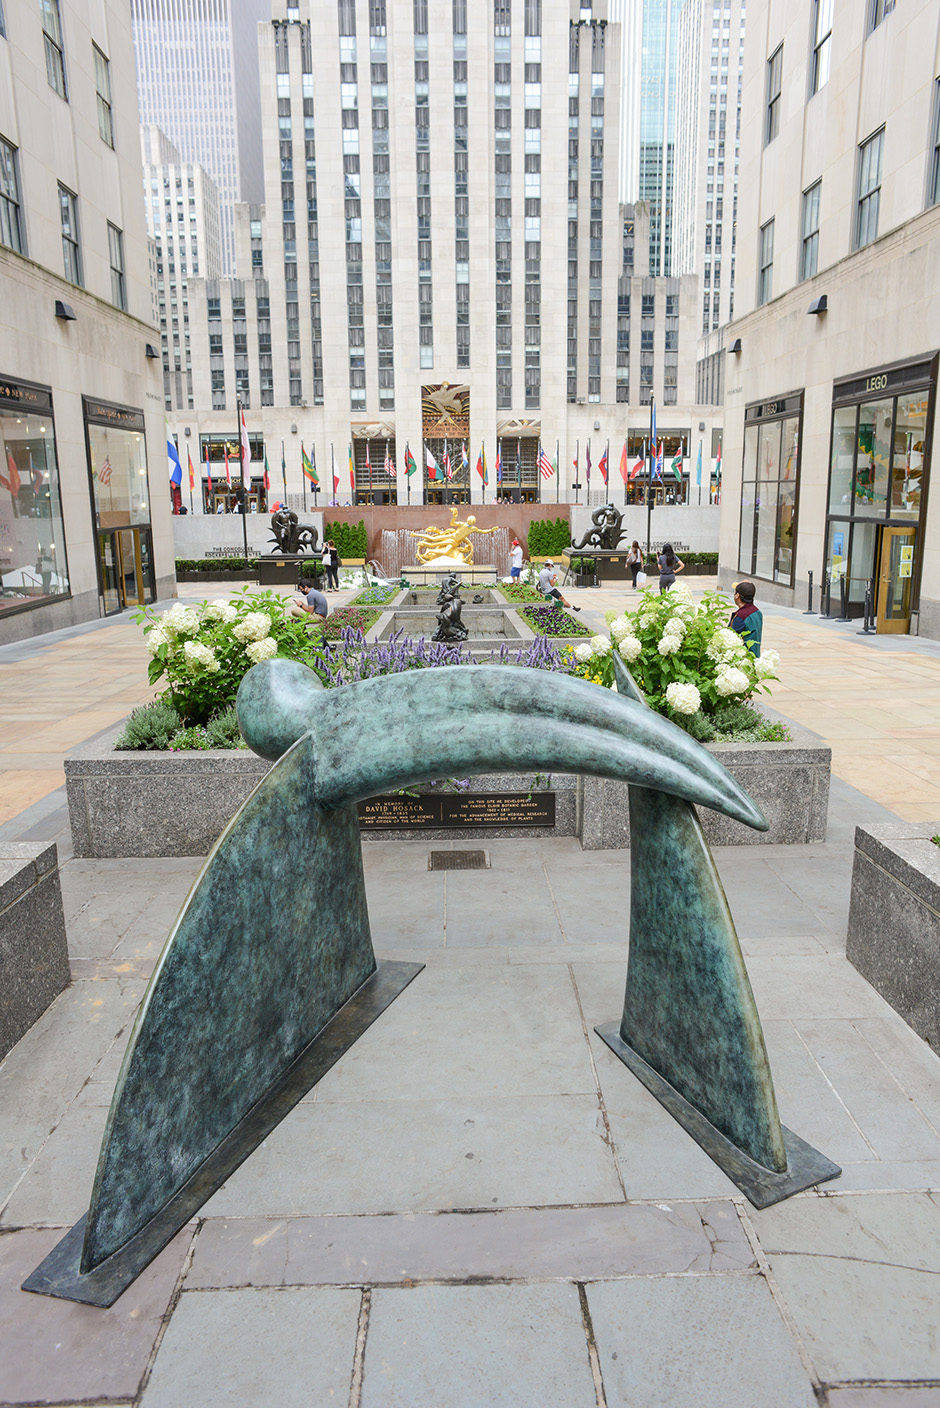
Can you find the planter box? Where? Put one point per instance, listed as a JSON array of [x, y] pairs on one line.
[[171, 804], [34, 957], [250, 576], [894, 920], [788, 781]]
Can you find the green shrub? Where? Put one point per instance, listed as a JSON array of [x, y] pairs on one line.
[[223, 731], [151, 726], [216, 564], [350, 539], [548, 537]]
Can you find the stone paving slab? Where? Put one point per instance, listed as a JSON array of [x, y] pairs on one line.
[[463, 1347], [58, 1350], [696, 1342], [290, 1348], [532, 1244]]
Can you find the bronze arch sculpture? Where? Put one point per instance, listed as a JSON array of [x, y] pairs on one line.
[[263, 984]]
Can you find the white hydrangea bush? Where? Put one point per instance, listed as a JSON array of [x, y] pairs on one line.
[[202, 652], [686, 659]]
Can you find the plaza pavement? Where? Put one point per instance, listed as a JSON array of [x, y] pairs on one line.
[[479, 1205]]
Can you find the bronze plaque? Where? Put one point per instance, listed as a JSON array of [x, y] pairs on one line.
[[458, 810]]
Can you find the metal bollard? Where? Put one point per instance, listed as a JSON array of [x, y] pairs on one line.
[[828, 610], [867, 621], [843, 598], [809, 599]]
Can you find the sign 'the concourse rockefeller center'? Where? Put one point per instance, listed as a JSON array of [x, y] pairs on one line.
[[482, 809]]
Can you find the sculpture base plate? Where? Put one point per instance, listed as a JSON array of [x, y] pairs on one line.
[[60, 1273], [762, 1186]]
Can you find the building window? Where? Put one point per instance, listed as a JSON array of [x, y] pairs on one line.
[[68, 215], [116, 254], [869, 189], [766, 263], [769, 490], [52, 39], [33, 567], [933, 194], [809, 250], [880, 8], [774, 84], [103, 88], [822, 43], [11, 229]]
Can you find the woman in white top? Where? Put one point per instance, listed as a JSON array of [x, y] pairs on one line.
[[325, 559]]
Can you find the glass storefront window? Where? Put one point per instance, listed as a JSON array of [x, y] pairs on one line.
[[769, 491], [119, 475], [907, 468], [874, 458], [33, 563], [789, 459], [843, 459]]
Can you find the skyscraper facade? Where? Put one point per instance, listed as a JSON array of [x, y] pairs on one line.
[[197, 80]]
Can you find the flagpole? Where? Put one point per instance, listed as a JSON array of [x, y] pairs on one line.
[[313, 465], [577, 472], [241, 463], [303, 477], [446, 480], [407, 475], [557, 474], [332, 472], [649, 491], [607, 463]]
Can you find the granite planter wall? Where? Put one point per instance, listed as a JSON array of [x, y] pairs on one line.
[[34, 958], [788, 781], [894, 920], [166, 804]]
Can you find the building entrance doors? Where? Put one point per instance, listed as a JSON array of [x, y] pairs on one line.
[[125, 558], [895, 574]]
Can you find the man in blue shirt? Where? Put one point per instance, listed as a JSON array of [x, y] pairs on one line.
[[746, 619], [317, 604]]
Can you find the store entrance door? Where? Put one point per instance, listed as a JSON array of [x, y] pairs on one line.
[[895, 576], [125, 559]]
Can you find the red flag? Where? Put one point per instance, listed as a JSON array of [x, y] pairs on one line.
[[636, 469], [245, 455], [623, 463], [208, 471], [602, 464], [368, 461], [11, 480], [192, 472]]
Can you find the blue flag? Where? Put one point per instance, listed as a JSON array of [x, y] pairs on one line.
[[176, 469], [698, 466]]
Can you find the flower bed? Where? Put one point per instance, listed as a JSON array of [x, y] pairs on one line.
[[348, 618], [375, 596], [519, 591], [552, 621]]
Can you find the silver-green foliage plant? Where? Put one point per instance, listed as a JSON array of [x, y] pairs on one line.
[[687, 660]]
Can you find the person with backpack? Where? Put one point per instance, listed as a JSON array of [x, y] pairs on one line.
[[746, 619]]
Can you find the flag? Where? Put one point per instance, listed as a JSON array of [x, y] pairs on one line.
[[448, 467], [698, 466], [309, 472], [718, 463], [106, 470], [352, 472], [176, 469], [245, 455], [267, 472], [283, 468], [333, 467], [587, 462], [659, 462], [499, 463], [652, 421], [208, 470], [389, 467], [192, 472], [546, 469], [519, 463], [575, 463], [464, 457], [676, 466], [481, 467], [623, 463], [602, 464], [636, 469], [368, 463], [228, 468], [11, 480], [410, 465], [434, 469]]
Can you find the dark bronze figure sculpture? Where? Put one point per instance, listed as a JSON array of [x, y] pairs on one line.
[[292, 537], [449, 625], [261, 988], [606, 533]]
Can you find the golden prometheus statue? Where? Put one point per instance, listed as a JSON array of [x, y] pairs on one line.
[[450, 544]]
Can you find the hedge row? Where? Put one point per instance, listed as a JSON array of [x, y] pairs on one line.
[[548, 536], [350, 539]]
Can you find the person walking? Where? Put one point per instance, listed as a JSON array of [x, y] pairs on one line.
[[335, 565], [669, 564], [325, 560], [548, 585], [746, 619], [634, 560]]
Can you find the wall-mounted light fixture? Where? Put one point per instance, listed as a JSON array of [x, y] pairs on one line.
[[293, 430], [187, 432], [597, 425], [701, 425], [64, 311], [736, 347], [150, 352], [819, 305]]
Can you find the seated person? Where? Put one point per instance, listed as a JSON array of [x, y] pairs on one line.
[[548, 585], [308, 601], [746, 619]]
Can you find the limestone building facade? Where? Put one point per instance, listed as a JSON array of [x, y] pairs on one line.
[[831, 367], [84, 507]]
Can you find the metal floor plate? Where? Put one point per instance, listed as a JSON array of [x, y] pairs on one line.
[[458, 860]]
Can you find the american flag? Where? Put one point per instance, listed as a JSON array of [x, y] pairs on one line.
[[105, 472], [389, 467], [545, 465], [448, 467]]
